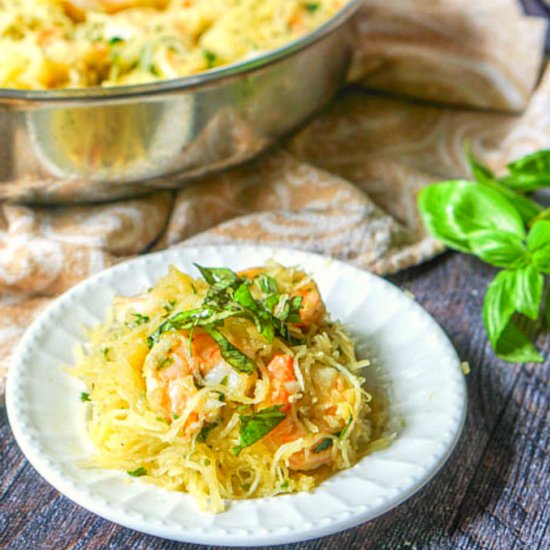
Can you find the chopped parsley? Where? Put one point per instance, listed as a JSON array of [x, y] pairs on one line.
[[312, 6], [139, 319], [138, 472], [210, 58], [84, 397]]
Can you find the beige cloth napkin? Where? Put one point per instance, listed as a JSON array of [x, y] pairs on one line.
[[346, 184]]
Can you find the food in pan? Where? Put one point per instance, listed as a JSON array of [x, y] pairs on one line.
[[48, 44]]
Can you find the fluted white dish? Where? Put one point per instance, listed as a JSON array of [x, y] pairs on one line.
[[413, 361]]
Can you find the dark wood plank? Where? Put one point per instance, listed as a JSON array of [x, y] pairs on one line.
[[492, 493]]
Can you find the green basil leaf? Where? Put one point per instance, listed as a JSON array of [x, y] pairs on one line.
[[534, 163], [480, 172], [257, 425], [186, 320], [244, 297], [220, 279], [499, 248], [454, 210], [515, 347], [526, 182], [528, 289], [542, 215], [268, 284], [526, 207], [324, 445], [262, 318], [84, 396], [547, 310], [236, 358], [512, 290], [538, 244], [530, 172], [206, 429]]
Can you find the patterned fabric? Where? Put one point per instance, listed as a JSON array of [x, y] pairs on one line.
[[345, 185]]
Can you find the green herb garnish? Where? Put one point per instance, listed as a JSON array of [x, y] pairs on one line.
[[236, 358], [84, 397], [169, 306], [324, 445], [138, 472], [256, 425], [207, 428], [228, 296], [210, 58], [494, 220], [312, 6], [139, 319]]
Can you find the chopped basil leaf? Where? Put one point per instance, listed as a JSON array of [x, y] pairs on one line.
[[256, 425], [139, 319], [343, 433], [115, 40], [268, 284], [236, 358], [169, 307], [207, 428], [312, 6], [224, 380], [138, 472], [175, 416], [324, 445], [84, 397]]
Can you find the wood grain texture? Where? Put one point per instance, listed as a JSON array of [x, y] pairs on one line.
[[493, 493]]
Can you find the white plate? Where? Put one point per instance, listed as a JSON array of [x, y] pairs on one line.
[[415, 358]]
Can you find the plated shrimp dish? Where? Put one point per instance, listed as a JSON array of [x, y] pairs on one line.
[[49, 44], [231, 385]]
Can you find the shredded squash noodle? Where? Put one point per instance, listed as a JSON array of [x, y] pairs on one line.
[[47, 44], [229, 386]]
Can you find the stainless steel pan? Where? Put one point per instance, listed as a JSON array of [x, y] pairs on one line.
[[103, 143]]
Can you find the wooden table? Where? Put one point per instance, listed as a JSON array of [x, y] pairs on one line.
[[494, 492]]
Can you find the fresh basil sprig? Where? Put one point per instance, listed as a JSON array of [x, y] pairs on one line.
[[256, 425], [488, 218]]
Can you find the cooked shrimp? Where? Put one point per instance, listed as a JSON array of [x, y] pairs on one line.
[[284, 388], [174, 367], [283, 382], [312, 311], [333, 411]]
